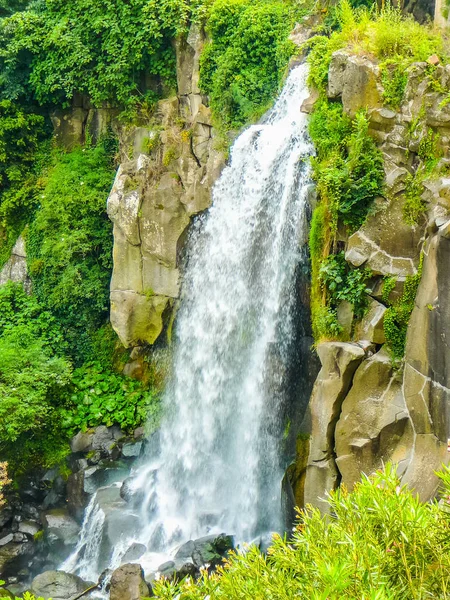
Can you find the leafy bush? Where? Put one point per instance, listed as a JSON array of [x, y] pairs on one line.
[[242, 67], [394, 78], [103, 49], [344, 283], [21, 137], [385, 33], [102, 397], [69, 244], [379, 542]]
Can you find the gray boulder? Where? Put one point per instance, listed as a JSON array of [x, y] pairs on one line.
[[58, 585], [60, 526], [134, 552]]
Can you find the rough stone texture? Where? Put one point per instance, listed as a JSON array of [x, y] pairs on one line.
[[385, 244], [354, 79], [401, 416], [156, 192], [128, 583], [339, 361], [60, 526], [374, 425], [15, 269], [58, 585], [427, 368], [371, 326]]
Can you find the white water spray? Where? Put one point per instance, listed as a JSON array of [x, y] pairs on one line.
[[219, 468]]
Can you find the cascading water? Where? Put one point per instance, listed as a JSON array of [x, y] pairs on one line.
[[219, 466]]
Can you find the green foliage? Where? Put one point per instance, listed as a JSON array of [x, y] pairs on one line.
[[42, 403], [348, 170], [344, 283], [349, 167], [379, 542], [69, 244], [21, 138], [414, 207], [388, 287], [31, 375], [386, 33], [394, 79], [242, 67], [102, 397], [103, 49], [396, 317]]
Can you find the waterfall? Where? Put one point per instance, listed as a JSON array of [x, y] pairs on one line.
[[220, 465], [84, 561], [221, 437]]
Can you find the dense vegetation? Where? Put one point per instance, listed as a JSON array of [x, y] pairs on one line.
[[242, 66], [348, 168], [379, 542], [58, 356]]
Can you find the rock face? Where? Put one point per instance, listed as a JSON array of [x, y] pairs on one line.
[[339, 362], [128, 583], [164, 179], [15, 269], [364, 411]]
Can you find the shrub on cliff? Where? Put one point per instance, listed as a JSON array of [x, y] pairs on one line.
[[242, 66], [69, 244], [379, 542]]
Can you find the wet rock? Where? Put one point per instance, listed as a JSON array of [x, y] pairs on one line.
[[374, 426], [211, 549], [128, 583], [13, 555], [385, 243], [6, 515], [60, 526], [185, 551], [102, 475], [132, 449], [76, 495], [29, 527], [134, 552], [371, 325], [355, 80], [105, 438], [58, 585], [130, 493], [167, 569]]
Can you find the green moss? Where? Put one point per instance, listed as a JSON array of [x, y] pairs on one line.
[[396, 317], [388, 287], [394, 79]]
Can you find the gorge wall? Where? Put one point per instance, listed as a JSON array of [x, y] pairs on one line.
[[366, 408]]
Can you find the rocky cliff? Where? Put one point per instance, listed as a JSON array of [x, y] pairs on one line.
[[366, 408], [164, 180]]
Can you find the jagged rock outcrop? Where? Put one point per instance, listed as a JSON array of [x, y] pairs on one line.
[[339, 362], [165, 179], [384, 412]]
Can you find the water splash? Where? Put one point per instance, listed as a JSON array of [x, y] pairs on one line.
[[85, 559], [219, 467]]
